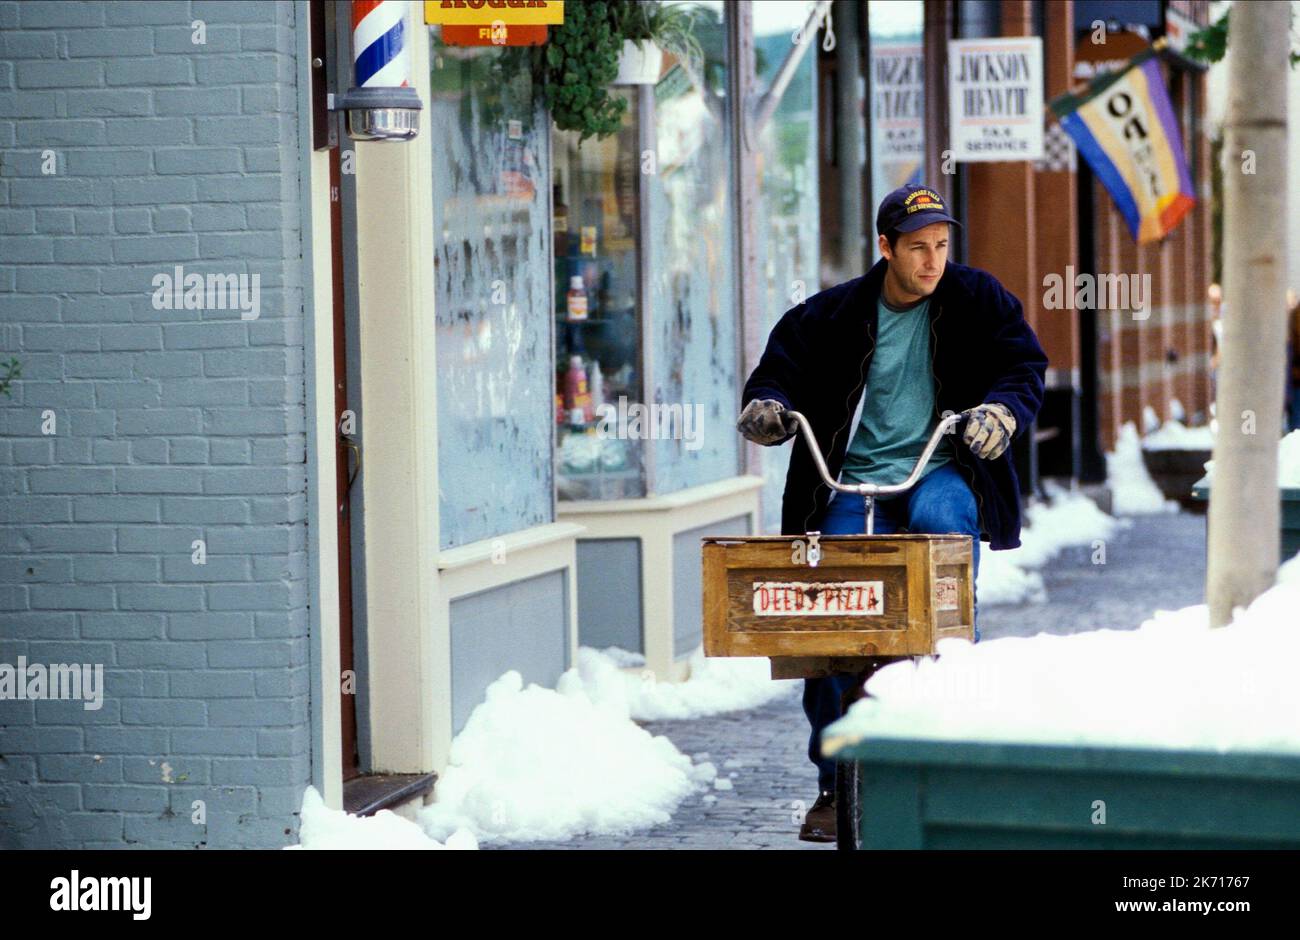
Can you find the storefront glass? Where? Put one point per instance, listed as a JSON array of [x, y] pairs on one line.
[[691, 277], [897, 89], [491, 169], [788, 213], [597, 215]]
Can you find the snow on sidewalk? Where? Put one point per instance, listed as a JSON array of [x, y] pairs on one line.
[[715, 686], [1133, 492], [325, 828], [1070, 519], [536, 764], [1172, 683]]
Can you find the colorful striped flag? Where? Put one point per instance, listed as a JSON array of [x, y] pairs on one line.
[[1124, 126]]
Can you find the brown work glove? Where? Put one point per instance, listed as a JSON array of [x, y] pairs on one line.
[[988, 430], [765, 421]]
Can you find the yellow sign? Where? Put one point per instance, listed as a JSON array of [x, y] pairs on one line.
[[484, 12]]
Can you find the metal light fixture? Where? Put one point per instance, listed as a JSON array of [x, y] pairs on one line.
[[384, 106]]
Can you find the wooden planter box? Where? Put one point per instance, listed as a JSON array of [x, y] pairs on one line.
[[868, 595], [1175, 472], [1290, 497], [965, 795]]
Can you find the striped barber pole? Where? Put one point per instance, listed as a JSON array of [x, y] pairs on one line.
[[380, 43]]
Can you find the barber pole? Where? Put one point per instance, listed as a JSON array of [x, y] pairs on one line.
[[380, 43]]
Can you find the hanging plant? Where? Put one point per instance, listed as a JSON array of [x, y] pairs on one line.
[[580, 62]]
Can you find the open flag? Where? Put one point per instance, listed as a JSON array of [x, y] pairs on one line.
[[1124, 126]]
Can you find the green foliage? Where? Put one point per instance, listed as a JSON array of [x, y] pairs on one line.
[[1211, 44], [13, 369], [670, 28], [579, 62]]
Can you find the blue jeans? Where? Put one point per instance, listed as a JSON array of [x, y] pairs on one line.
[[942, 502]]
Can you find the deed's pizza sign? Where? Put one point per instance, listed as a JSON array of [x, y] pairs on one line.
[[819, 598]]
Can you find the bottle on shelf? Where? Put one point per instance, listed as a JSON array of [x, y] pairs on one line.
[[577, 398], [576, 300]]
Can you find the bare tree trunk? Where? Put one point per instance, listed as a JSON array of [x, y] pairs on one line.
[[1244, 541]]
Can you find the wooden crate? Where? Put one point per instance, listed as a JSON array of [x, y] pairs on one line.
[[868, 596]]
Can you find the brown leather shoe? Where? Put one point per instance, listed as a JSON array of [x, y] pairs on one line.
[[819, 824]]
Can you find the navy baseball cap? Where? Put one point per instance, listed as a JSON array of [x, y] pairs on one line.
[[911, 207]]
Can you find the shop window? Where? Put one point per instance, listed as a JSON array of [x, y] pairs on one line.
[[490, 134], [691, 283], [596, 194], [897, 96]]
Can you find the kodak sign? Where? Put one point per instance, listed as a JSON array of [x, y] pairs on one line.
[[486, 12]]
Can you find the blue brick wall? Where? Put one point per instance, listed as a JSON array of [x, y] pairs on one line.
[[169, 426]]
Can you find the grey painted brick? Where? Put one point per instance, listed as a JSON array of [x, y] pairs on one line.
[[115, 510], [172, 830], [165, 712], [43, 509], [248, 654], [180, 510], [211, 626], [133, 337], [215, 684], [71, 279], [256, 596], [69, 538], [102, 103], [216, 568], [283, 742], [222, 11], [157, 539], [132, 221], [150, 450], [160, 597], [29, 248], [217, 39], [126, 798], [114, 452], [85, 422], [31, 741], [190, 450], [181, 770], [279, 801], [71, 597], [229, 451], [98, 366], [71, 481], [271, 540], [168, 365], [79, 250], [29, 308], [252, 480], [248, 421], [128, 14], [59, 74], [14, 597], [122, 626], [256, 713], [96, 310], [152, 131], [73, 450], [17, 221], [71, 711], [198, 101], [35, 569], [213, 335], [120, 568], [210, 218], [156, 684], [32, 104], [83, 43], [55, 222], [166, 70], [264, 188], [106, 162], [29, 45], [34, 626], [160, 654], [158, 480], [33, 452], [120, 683], [211, 741], [153, 421], [45, 14], [262, 770], [53, 191], [156, 248], [92, 222], [199, 161], [171, 219]]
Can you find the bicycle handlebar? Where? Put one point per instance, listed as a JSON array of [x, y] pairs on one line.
[[876, 489]]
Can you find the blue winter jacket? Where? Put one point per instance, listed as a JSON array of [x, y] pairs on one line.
[[982, 350]]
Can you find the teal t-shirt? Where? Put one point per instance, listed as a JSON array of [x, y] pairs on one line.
[[898, 402]]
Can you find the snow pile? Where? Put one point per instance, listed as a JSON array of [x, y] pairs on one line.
[[325, 828], [1070, 519], [534, 763], [1133, 492], [1172, 683], [1174, 435], [1288, 461], [715, 686]]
